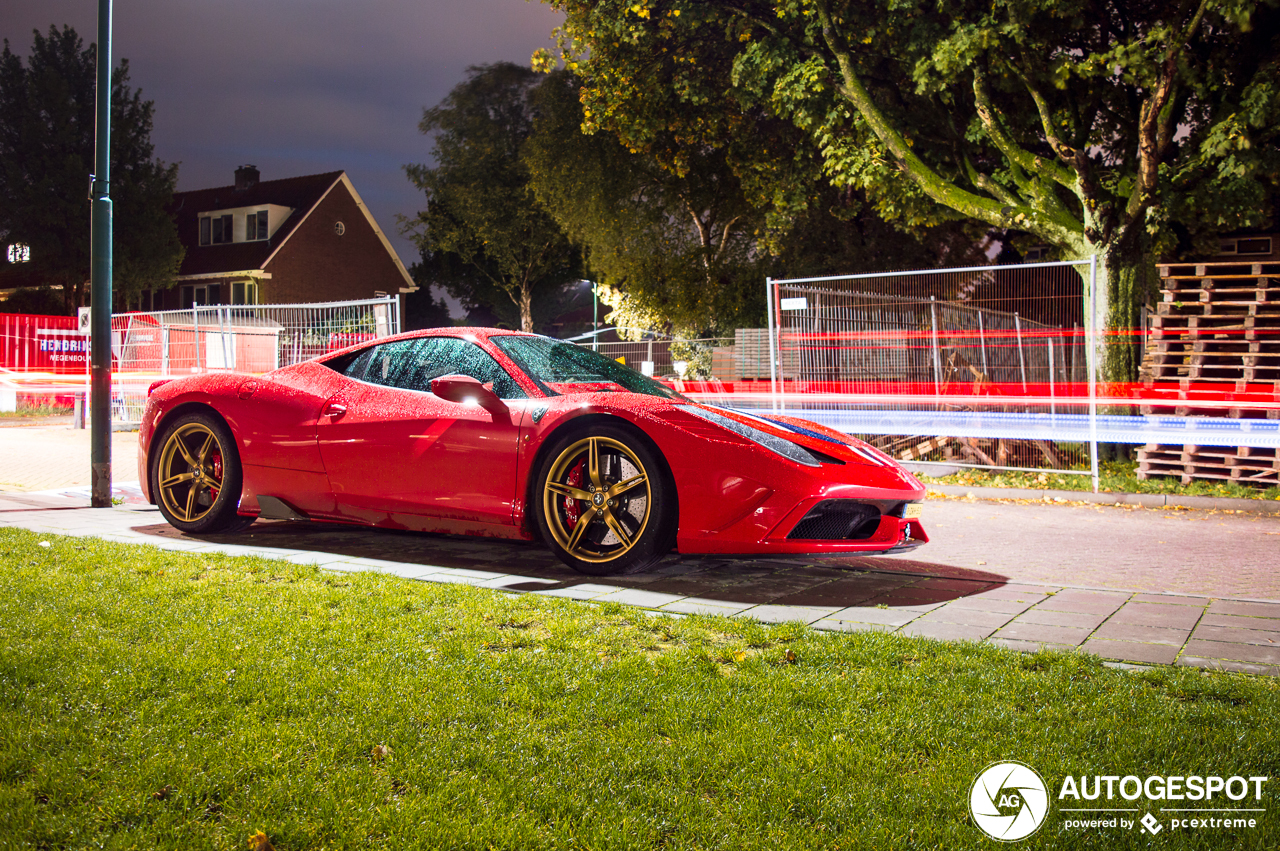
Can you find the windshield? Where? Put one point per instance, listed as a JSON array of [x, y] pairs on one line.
[[549, 361]]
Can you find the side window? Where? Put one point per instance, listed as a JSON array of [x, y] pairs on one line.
[[353, 365], [392, 364], [465, 358], [412, 364]]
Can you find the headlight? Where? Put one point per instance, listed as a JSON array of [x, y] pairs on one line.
[[785, 448]]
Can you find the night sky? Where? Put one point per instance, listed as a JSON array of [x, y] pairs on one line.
[[298, 86]]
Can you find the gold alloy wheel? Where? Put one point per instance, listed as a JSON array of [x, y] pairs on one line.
[[190, 472], [600, 519]]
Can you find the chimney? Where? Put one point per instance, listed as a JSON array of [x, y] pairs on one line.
[[246, 177]]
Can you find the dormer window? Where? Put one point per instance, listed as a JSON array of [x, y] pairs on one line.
[[255, 225], [215, 230]]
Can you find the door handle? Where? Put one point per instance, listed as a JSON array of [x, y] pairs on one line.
[[334, 410]]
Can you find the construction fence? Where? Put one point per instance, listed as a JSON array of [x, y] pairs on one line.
[[147, 346], [984, 346], [719, 361], [997, 367]]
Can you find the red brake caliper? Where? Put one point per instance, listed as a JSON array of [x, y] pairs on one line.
[[574, 480], [217, 474]]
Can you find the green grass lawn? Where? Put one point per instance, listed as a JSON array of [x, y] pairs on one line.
[[1113, 477], [153, 700]]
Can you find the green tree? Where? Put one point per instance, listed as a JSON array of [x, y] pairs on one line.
[[422, 309], [484, 230], [683, 229], [670, 246], [1121, 129], [47, 154], [44, 301]]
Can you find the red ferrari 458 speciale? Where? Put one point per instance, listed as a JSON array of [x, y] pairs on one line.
[[479, 431]]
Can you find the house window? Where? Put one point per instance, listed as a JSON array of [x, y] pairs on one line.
[[215, 229], [339, 228], [200, 295], [255, 225], [1255, 245], [244, 292]]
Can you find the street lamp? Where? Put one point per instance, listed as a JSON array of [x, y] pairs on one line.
[[100, 275]]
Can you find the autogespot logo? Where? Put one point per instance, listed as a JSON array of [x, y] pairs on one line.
[[1009, 801]]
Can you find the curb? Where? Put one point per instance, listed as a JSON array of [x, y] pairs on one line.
[[1145, 500]]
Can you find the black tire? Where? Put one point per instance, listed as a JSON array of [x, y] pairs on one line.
[[196, 476], [628, 506]]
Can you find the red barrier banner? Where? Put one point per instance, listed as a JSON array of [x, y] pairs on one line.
[[42, 344]]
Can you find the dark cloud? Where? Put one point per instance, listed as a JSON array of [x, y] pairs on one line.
[[298, 86]]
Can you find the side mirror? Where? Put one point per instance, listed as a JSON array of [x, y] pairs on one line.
[[464, 389]]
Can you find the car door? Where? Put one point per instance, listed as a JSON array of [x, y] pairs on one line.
[[394, 451]]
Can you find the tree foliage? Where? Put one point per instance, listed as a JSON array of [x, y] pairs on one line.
[[47, 142], [422, 309], [681, 240], [671, 247], [484, 234], [42, 301], [1125, 129]]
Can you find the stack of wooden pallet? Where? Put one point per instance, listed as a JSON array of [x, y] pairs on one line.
[[1216, 328], [1241, 464]]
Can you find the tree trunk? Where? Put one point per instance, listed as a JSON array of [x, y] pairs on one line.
[[526, 306], [1125, 283]]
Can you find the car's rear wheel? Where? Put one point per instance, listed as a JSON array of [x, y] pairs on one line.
[[605, 505], [196, 477]]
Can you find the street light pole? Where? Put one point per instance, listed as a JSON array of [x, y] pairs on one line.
[[595, 316], [100, 276]]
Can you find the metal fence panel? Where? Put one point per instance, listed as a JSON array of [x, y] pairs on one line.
[[1011, 341], [234, 338]]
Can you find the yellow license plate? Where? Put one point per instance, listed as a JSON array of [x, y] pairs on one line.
[[913, 511]]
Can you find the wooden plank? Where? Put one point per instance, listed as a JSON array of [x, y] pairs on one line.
[[1264, 477]]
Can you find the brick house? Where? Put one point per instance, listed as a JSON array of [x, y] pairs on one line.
[[289, 241]]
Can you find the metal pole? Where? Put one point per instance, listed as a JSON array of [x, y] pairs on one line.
[[195, 329], [222, 337], [1091, 361], [1052, 407], [937, 362], [1017, 325], [595, 317], [773, 357], [982, 340], [100, 276], [1075, 355]]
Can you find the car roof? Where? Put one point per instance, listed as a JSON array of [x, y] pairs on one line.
[[462, 331], [466, 332]]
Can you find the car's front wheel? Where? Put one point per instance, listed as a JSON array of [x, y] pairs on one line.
[[196, 475], [605, 505]]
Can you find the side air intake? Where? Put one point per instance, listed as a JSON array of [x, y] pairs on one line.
[[837, 520]]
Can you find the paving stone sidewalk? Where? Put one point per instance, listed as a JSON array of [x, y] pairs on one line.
[[890, 594], [37, 458]]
